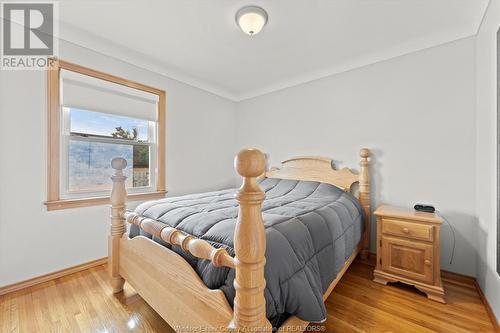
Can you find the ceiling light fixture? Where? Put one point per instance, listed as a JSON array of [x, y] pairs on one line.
[[251, 19]]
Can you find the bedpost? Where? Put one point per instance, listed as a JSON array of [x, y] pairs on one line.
[[118, 198], [250, 246], [364, 198]]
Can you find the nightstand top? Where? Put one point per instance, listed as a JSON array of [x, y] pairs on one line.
[[407, 213]]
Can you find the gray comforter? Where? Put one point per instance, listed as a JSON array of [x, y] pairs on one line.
[[311, 230]]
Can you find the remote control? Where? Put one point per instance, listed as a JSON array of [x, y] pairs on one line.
[[425, 208]]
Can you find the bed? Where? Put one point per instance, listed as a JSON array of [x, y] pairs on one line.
[[200, 260]]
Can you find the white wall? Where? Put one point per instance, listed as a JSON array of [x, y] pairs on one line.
[[34, 241], [486, 120], [415, 112]]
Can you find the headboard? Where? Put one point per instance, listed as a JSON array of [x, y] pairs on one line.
[[311, 168], [321, 169]]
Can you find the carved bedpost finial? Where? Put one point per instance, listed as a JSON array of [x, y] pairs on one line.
[[364, 153], [364, 198], [250, 163], [119, 163], [118, 199], [250, 246]]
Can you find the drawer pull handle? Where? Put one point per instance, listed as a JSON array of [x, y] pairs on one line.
[[427, 262], [406, 230]]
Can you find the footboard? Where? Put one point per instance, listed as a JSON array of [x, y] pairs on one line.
[[169, 284]]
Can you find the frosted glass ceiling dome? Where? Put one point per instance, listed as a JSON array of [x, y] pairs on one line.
[[251, 19]]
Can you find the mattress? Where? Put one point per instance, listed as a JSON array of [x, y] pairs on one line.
[[311, 230]]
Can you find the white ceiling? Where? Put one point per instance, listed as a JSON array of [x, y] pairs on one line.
[[199, 43]]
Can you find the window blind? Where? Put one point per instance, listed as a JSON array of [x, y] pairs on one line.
[[92, 94]]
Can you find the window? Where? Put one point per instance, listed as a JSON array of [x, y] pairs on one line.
[[94, 117], [91, 139]]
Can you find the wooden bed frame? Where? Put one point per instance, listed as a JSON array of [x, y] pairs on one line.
[[172, 287]]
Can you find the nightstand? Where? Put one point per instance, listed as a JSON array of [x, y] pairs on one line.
[[408, 249]]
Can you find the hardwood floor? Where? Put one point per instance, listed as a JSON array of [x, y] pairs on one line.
[[83, 302]]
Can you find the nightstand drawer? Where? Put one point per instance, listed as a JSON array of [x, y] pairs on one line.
[[408, 259], [407, 229]]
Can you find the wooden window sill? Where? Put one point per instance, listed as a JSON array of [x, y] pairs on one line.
[[86, 202]]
